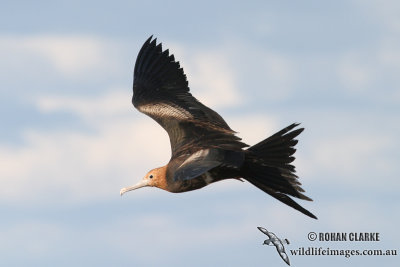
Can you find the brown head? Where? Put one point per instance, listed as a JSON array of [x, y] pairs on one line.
[[156, 177]]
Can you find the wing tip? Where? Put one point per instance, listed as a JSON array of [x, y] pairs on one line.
[[149, 39], [157, 66]]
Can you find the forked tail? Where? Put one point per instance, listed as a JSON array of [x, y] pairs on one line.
[[268, 167]]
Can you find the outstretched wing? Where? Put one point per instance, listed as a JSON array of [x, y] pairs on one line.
[[161, 91]]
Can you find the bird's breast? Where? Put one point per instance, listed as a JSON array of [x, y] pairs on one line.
[[191, 184]]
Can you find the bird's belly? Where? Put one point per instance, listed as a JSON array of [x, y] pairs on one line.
[[203, 180], [193, 184]]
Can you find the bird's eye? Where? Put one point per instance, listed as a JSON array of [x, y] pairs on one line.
[[151, 176]]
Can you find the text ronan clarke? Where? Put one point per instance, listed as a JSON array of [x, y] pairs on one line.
[[348, 236]]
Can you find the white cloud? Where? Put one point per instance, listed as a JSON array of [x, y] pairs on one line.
[[353, 73], [279, 73], [386, 15], [352, 160], [347, 154], [212, 79], [372, 72], [76, 164], [373, 68], [114, 103], [70, 55]]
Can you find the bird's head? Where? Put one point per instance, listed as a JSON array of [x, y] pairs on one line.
[[156, 177]]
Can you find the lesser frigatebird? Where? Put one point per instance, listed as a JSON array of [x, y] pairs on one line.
[[204, 148]]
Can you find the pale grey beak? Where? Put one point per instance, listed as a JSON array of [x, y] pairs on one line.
[[142, 183]]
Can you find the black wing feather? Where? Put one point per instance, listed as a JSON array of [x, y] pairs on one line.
[[161, 90]]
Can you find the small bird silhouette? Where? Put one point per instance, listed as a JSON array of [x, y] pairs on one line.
[[274, 240], [204, 148]]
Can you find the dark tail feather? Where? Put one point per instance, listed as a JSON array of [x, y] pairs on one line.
[[267, 166]]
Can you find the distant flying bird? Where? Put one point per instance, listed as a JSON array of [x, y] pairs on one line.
[[204, 148]]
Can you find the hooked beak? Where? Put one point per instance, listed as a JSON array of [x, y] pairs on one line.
[[142, 183]]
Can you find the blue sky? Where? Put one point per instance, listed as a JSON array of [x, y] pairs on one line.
[[71, 138]]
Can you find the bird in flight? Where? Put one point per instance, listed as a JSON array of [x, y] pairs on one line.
[[204, 149]]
